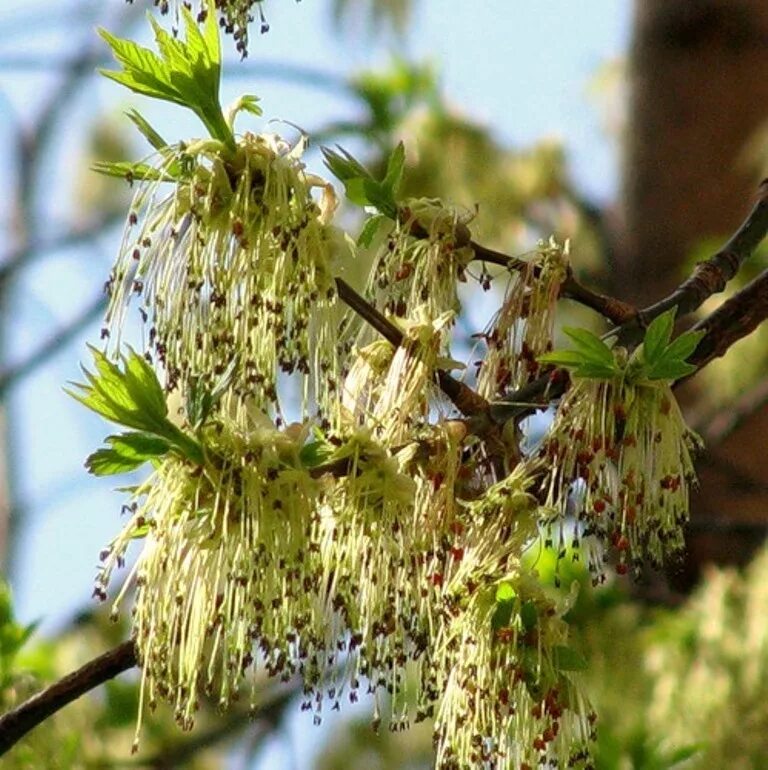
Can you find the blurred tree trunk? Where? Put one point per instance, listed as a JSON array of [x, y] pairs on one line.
[[699, 94]]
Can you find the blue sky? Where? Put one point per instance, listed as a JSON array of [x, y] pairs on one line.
[[521, 67]]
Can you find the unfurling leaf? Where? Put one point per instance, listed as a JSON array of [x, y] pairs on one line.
[[126, 452]]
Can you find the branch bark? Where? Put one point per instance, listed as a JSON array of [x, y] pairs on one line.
[[15, 724]]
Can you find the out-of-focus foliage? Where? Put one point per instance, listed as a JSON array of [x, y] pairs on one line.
[[667, 682]]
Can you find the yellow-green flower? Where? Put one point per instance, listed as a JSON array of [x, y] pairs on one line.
[[225, 568], [628, 450], [501, 661], [422, 259], [522, 329], [233, 262]]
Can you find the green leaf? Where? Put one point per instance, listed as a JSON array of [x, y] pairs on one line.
[[566, 358], [186, 72], [146, 130], [370, 228], [133, 171], [502, 615], [505, 592], [657, 336], [395, 166], [683, 346], [343, 166], [127, 452], [315, 453], [592, 348], [592, 371], [132, 397], [359, 184], [678, 756], [568, 659], [670, 370], [107, 393]]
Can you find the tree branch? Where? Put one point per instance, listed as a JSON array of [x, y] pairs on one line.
[[615, 310], [737, 317], [465, 399], [710, 276], [15, 724]]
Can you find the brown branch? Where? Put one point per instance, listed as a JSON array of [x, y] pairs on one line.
[[15, 724], [710, 276], [615, 310], [737, 317], [465, 399]]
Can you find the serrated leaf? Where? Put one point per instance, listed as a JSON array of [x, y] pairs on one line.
[[146, 130], [670, 370], [355, 191], [567, 659], [395, 167], [590, 346], [343, 165], [359, 185], [186, 73], [657, 336], [126, 452], [370, 228], [683, 346]]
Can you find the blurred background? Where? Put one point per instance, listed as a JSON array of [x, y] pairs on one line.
[[639, 131]]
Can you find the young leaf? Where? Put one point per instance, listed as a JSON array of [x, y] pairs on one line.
[[146, 130], [370, 228], [395, 166], [359, 184], [683, 346], [186, 73], [592, 348], [127, 452], [670, 370], [657, 336], [133, 171]]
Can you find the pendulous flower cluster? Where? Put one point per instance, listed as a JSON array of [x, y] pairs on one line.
[[618, 458], [522, 329], [422, 259], [235, 263]]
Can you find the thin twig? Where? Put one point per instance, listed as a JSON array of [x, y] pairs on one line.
[[615, 310], [465, 399], [737, 317], [15, 724], [710, 276]]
